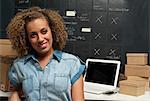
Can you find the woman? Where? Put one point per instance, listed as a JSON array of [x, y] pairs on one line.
[[43, 71]]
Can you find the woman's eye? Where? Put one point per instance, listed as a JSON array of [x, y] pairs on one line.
[[33, 35], [44, 31]]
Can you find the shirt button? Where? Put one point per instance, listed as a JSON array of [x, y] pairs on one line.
[[36, 64]]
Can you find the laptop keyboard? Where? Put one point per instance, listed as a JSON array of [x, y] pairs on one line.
[[91, 89]]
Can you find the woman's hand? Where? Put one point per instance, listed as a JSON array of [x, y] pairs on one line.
[[14, 96]]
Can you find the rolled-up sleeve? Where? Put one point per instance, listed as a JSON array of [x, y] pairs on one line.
[[13, 76], [77, 70]]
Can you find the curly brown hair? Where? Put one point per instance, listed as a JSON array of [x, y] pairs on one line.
[[17, 34]]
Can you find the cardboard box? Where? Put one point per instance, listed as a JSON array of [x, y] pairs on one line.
[[3, 87], [147, 83], [129, 87], [4, 76], [137, 70], [7, 55], [6, 48], [142, 79], [6, 87], [137, 58], [5, 62]]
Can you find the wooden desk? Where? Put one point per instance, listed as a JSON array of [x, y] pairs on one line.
[[4, 94], [118, 97], [115, 97]]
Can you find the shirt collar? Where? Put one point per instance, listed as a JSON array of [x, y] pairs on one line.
[[56, 55]]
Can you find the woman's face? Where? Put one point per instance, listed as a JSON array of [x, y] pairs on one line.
[[40, 36]]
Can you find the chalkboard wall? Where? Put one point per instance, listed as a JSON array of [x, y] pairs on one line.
[[97, 28]]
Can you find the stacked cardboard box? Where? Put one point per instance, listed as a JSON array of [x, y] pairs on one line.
[[7, 55], [137, 72], [130, 87]]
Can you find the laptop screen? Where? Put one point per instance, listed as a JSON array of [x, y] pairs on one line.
[[101, 72]]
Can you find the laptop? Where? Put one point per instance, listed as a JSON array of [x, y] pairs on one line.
[[101, 76]]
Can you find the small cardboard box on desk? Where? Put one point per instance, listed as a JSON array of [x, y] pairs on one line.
[[7, 55], [142, 79], [130, 87]]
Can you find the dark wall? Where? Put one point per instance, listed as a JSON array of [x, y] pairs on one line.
[[114, 27], [149, 30], [6, 11], [0, 14]]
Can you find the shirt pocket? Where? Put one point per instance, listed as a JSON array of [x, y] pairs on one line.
[[61, 82], [27, 85]]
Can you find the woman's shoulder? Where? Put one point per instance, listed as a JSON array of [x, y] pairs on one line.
[[21, 59], [66, 55]]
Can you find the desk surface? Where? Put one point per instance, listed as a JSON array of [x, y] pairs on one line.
[[4, 94], [117, 96]]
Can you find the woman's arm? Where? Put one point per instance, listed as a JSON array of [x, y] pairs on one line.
[[14, 96], [77, 90]]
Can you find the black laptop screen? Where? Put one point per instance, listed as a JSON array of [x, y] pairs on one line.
[[99, 72]]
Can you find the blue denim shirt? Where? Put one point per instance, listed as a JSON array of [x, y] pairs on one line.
[[51, 84]]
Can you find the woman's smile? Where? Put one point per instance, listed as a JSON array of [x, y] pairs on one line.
[[42, 45]]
